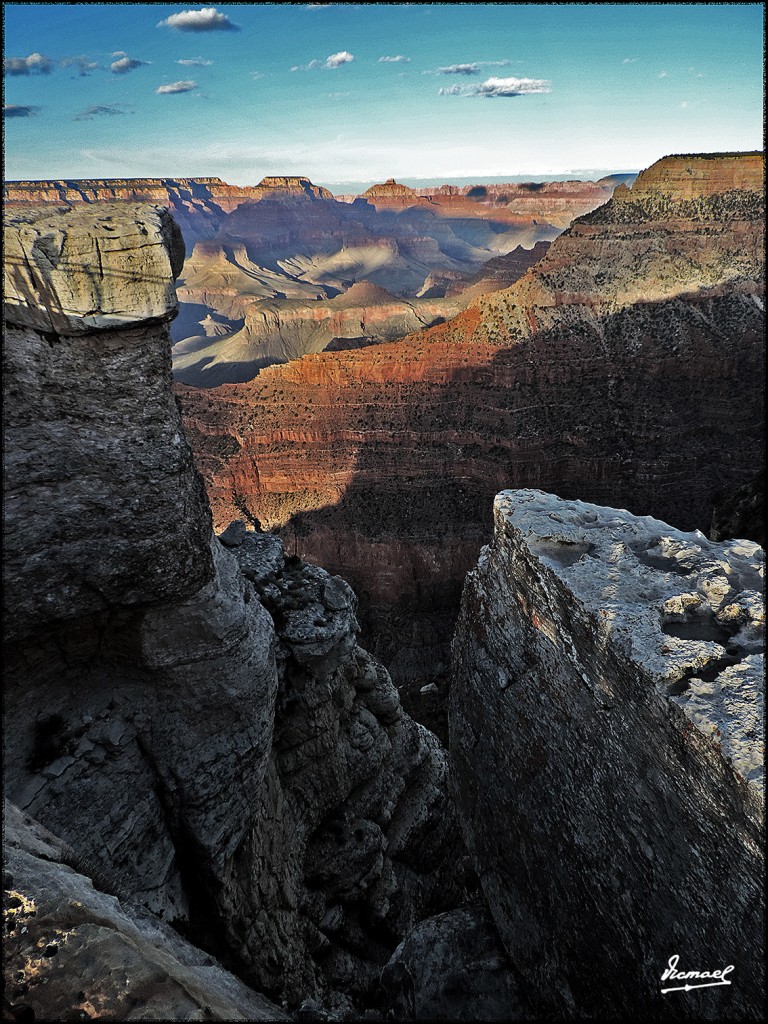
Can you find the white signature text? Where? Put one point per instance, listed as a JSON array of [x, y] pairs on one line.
[[672, 974]]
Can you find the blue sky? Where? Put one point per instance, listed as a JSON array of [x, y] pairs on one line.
[[479, 90]]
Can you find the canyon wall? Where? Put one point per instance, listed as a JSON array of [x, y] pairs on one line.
[[607, 704], [625, 368], [192, 714]]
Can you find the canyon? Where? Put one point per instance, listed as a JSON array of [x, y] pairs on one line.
[[264, 261], [218, 804], [624, 368]]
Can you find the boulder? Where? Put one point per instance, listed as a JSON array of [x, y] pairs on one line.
[[606, 707]]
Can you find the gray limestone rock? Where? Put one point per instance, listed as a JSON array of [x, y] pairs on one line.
[[606, 707], [103, 505], [73, 952], [91, 268]]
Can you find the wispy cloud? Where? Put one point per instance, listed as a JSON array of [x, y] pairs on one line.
[[399, 59], [34, 64], [472, 68], [334, 61], [173, 87], [17, 110], [195, 62], [315, 7], [83, 64], [99, 110], [492, 87], [207, 19], [126, 64], [629, 60], [256, 75], [662, 74]]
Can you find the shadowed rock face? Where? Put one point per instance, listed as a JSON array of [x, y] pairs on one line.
[[72, 952], [193, 715], [606, 705], [626, 368], [103, 504]]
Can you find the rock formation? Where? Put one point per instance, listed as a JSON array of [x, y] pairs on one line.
[[72, 952], [625, 368], [193, 713], [607, 705]]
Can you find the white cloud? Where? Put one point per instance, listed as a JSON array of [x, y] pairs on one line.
[[629, 60], [337, 59], [126, 64], [399, 59], [35, 63], [195, 62], [207, 19], [172, 87], [459, 69], [256, 75], [471, 69], [501, 87], [662, 74], [334, 61], [684, 104]]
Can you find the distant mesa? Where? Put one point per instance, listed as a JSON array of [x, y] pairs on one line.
[[296, 184], [699, 174], [389, 188]]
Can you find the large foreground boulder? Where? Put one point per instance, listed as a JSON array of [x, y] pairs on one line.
[[606, 731]]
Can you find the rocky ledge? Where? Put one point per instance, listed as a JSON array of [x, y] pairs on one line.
[[607, 706]]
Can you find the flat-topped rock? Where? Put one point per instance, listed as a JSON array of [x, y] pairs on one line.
[[699, 174], [78, 270]]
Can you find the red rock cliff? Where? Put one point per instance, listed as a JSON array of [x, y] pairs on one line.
[[625, 369]]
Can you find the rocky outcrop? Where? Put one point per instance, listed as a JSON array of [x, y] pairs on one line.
[[607, 705], [84, 527], [72, 952], [193, 714], [700, 174], [625, 368]]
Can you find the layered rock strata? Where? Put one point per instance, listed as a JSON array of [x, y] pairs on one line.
[[607, 704], [193, 714], [625, 368], [276, 331]]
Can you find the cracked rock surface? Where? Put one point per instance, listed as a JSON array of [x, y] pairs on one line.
[[605, 703]]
